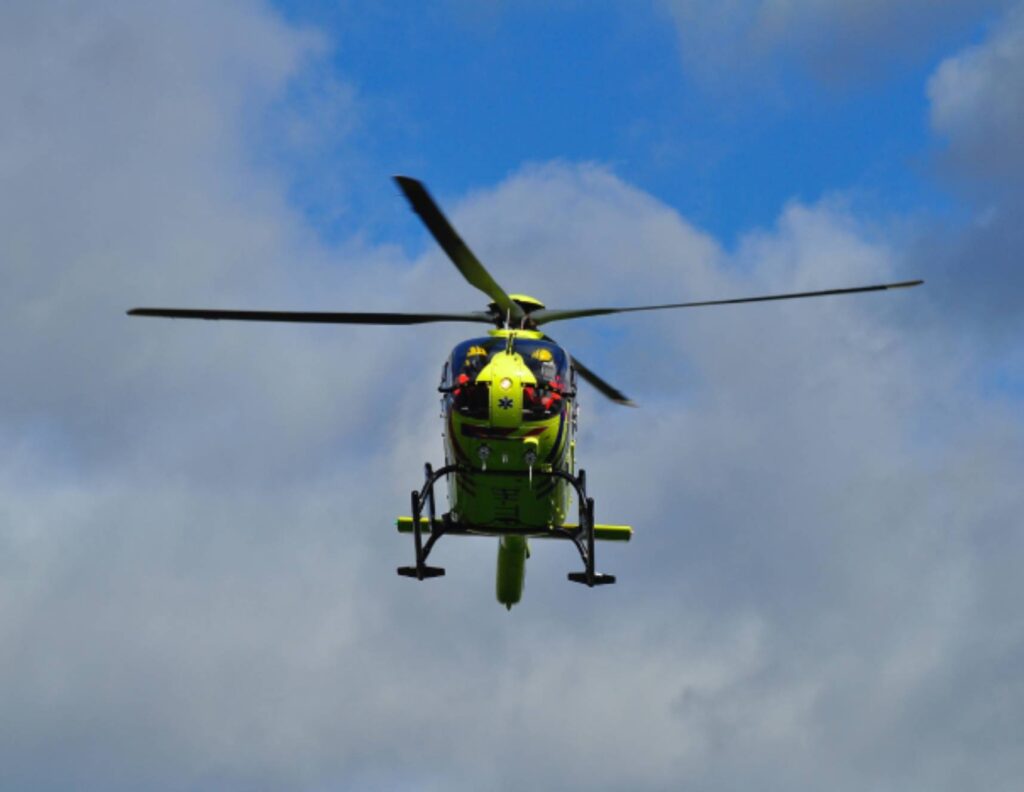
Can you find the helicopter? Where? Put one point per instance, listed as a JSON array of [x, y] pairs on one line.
[[510, 411]]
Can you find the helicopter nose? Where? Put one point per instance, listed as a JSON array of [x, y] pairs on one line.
[[507, 401]]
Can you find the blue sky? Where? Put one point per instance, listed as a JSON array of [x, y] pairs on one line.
[[197, 552], [462, 96]]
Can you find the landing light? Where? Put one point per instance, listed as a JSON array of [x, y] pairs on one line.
[[505, 383]]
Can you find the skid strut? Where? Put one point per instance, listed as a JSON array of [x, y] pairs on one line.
[[582, 536], [419, 499]]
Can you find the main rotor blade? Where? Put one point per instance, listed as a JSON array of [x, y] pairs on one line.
[[611, 392], [312, 317], [458, 251], [544, 315]]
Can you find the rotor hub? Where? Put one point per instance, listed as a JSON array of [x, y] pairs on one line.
[[526, 302]]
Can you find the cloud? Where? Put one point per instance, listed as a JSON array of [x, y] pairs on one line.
[[977, 104], [833, 41], [977, 110], [196, 552]]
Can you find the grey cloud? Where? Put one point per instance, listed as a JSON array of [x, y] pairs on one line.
[[977, 110], [842, 523], [977, 103], [834, 41], [196, 552]]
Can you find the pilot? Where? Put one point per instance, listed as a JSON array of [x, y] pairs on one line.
[[476, 359], [530, 398], [543, 365], [554, 395]]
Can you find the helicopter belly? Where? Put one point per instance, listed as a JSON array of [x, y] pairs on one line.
[[497, 500], [495, 484]]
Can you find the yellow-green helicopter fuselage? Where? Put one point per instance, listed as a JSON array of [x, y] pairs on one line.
[[517, 420], [509, 409], [515, 414]]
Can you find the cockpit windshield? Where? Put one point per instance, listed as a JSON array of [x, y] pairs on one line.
[[469, 358], [550, 366], [546, 361]]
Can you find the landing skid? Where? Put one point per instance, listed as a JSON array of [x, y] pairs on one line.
[[582, 536], [421, 498]]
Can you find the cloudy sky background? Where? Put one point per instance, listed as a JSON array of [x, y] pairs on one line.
[[197, 585]]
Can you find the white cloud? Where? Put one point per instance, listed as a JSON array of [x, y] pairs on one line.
[[196, 553]]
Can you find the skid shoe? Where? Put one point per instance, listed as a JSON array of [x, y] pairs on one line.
[[421, 572], [596, 579]]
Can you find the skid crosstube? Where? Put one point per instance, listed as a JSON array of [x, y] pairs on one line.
[[425, 497], [582, 535], [602, 532]]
